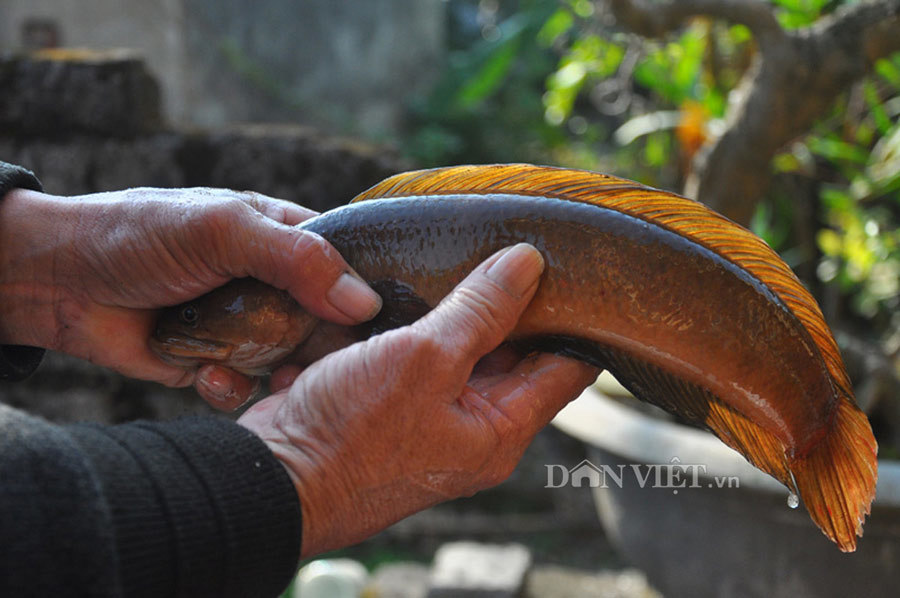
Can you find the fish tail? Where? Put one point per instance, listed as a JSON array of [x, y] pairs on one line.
[[836, 477]]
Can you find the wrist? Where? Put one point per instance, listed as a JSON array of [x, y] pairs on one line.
[[321, 525], [341, 505], [32, 237]]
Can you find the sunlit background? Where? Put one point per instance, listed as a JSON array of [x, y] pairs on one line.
[[438, 82]]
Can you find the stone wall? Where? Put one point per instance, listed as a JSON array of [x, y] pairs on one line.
[[91, 121], [346, 65], [288, 162]]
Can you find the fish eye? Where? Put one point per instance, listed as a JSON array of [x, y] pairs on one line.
[[189, 314]]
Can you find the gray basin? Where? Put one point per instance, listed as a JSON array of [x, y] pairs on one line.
[[719, 527]]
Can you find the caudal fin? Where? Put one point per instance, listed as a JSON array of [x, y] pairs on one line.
[[836, 478]]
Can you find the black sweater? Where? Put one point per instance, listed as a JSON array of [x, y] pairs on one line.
[[194, 507]]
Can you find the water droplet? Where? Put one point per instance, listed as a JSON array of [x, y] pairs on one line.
[[793, 500]]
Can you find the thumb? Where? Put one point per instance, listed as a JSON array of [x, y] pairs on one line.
[[484, 308]]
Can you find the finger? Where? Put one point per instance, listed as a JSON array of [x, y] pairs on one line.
[[121, 334], [225, 389], [283, 377], [535, 390], [304, 264], [278, 210], [484, 308], [261, 414]]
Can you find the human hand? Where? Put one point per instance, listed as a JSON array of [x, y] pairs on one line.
[[415, 416], [85, 275]]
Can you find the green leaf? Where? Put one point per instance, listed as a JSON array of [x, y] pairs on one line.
[[687, 56], [889, 70], [490, 76], [786, 162], [829, 242], [740, 34], [656, 151], [837, 199], [583, 8], [883, 122], [837, 150], [799, 13], [555, 27]]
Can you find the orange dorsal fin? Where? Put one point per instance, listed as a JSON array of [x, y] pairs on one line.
[[837, 476], [686, 217]]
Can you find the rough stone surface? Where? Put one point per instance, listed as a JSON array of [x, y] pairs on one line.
[[292, 163], [472, 570], [398, 580], [339, 64], [551, 581], [351, 64], [146, 161], [57, 93], [80, 165]]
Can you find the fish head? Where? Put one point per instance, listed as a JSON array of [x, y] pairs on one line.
[[245, 325]]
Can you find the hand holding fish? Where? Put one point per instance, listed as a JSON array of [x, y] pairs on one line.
[[85, 275], [389, 426]]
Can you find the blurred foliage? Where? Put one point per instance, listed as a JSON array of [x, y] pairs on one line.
[[487, 107], [556, 81], [859, 239]]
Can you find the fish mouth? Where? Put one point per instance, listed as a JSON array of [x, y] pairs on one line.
[[185, 351]]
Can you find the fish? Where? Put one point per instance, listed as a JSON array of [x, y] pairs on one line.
[[688, 310], [244, 324]]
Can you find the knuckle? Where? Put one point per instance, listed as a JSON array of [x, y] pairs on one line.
[[483, 313], [230, 211], [221, 223], [220, 204], [309, 245], [207, 219]]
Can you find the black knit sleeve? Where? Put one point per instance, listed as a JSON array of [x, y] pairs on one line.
[[195, 507], [16, 177], [17, 362]]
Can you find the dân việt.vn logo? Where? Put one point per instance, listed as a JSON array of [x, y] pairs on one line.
[[673, 475]]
